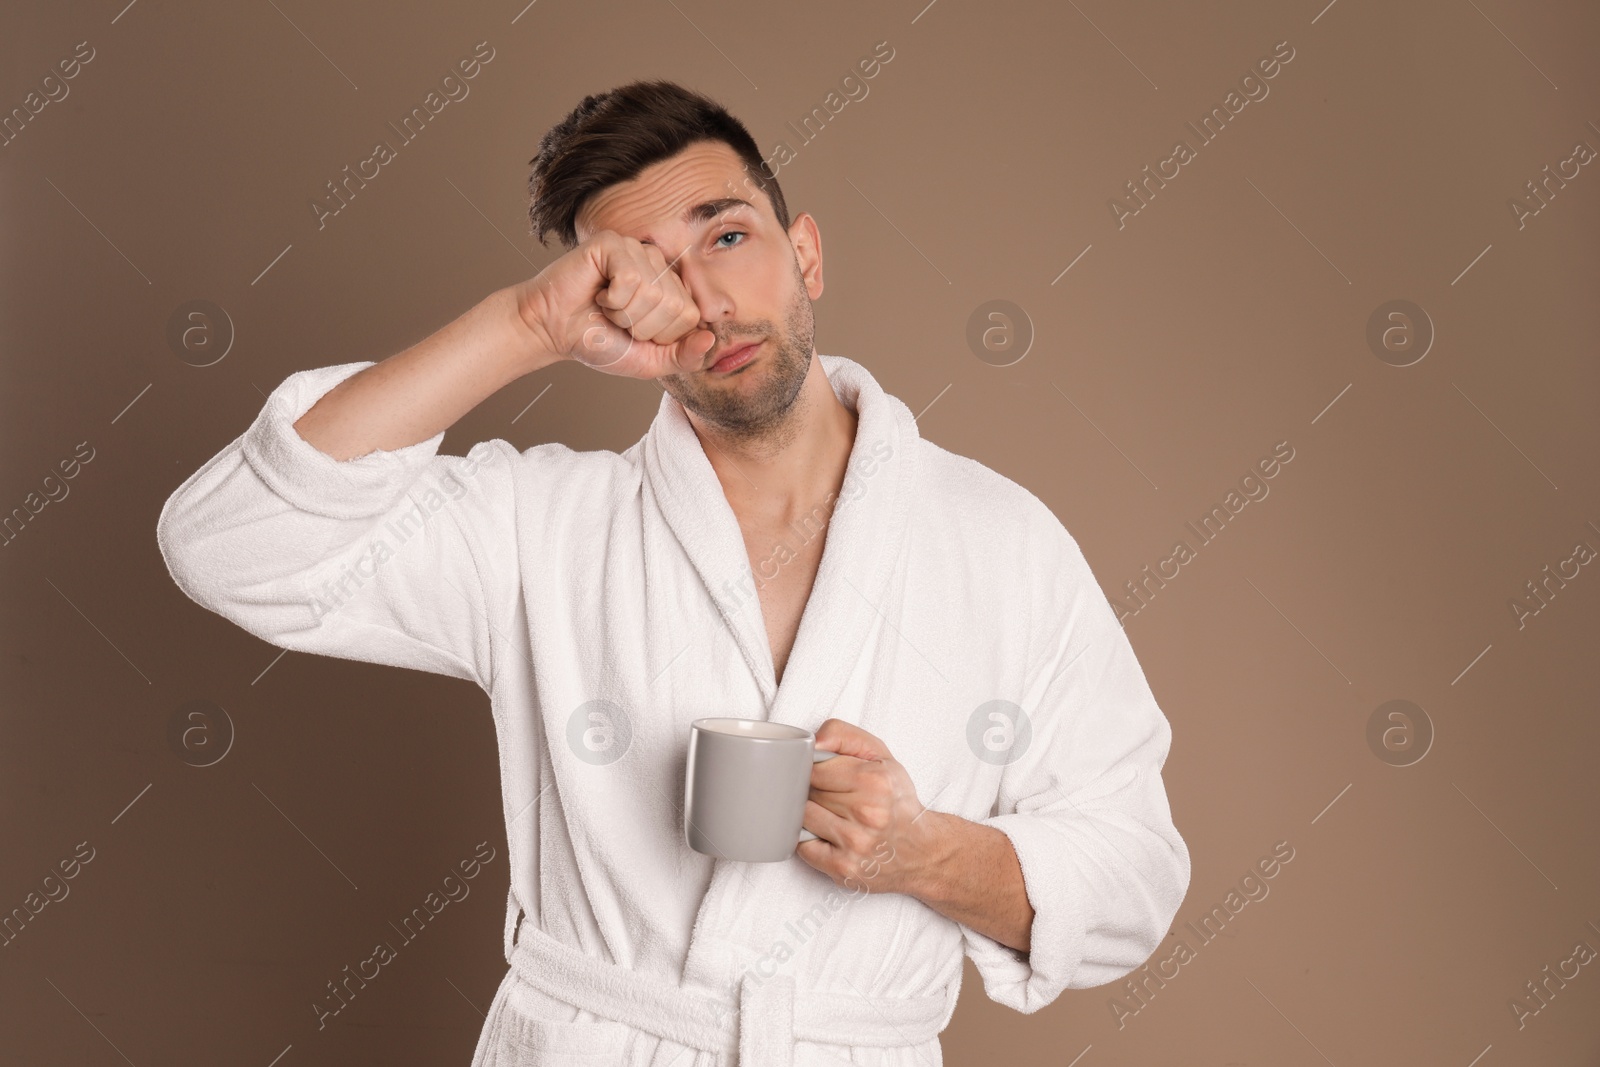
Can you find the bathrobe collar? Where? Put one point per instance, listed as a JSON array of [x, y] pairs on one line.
[[864, 538]]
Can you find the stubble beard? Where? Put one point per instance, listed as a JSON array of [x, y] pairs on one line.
[[764, 417]]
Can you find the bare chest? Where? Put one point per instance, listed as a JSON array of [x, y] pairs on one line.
[[784, 564]]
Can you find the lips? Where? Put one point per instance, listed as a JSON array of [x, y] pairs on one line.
[[734, 358]]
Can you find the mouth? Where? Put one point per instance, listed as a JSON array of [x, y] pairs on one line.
[[734, 358]]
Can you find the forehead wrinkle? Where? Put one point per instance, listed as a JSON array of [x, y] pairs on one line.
[[675, 193], [705, 212]]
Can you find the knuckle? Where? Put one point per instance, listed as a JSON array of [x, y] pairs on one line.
[[857, 840]]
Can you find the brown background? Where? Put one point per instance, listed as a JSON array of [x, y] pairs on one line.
[[1222, 319]]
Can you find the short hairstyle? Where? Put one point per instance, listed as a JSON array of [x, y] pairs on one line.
[[612, 136]]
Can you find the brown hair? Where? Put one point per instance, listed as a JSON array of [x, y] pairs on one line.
[[612, 136]]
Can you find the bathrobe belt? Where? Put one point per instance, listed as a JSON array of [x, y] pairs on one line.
[[762, 1026]]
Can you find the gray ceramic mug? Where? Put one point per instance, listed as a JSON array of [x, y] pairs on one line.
[[744, 795]]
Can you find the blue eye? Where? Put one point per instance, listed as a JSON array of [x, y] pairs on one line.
[[731, 233]]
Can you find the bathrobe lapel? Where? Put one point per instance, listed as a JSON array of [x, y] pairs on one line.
[[865, 537]]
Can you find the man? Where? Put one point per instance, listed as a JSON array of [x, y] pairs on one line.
[[780, 545]]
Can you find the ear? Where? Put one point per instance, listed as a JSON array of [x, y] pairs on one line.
[[807, 242]]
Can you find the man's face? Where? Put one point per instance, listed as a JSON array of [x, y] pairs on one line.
[[742, 270]]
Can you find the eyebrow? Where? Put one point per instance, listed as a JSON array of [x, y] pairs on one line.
[[712, 208], [705, 212]]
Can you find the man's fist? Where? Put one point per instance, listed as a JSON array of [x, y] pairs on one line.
[[614, 303]]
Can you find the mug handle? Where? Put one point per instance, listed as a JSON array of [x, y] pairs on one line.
[[816, 757]]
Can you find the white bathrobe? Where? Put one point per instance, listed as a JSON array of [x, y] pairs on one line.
[[604, 601]]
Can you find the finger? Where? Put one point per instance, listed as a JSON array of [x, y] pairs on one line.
[[672, 290], [650, 290], [693, 349], [687, 322], [623, 265], [655, 262], [621, 318], [645, 299], [818, 854], [847, 739], [824, 823], [647, 271], [839, 805], [683, 328], [621, 287], [838, 775], [660, 323]]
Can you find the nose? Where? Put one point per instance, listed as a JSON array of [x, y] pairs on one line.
[[709, 292]]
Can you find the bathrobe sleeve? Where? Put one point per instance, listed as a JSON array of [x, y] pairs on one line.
[[384, 558], [1083, 804]]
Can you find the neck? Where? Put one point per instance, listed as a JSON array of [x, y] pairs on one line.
[[794, 470]]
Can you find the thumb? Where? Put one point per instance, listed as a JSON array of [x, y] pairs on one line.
[[693, 347]]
